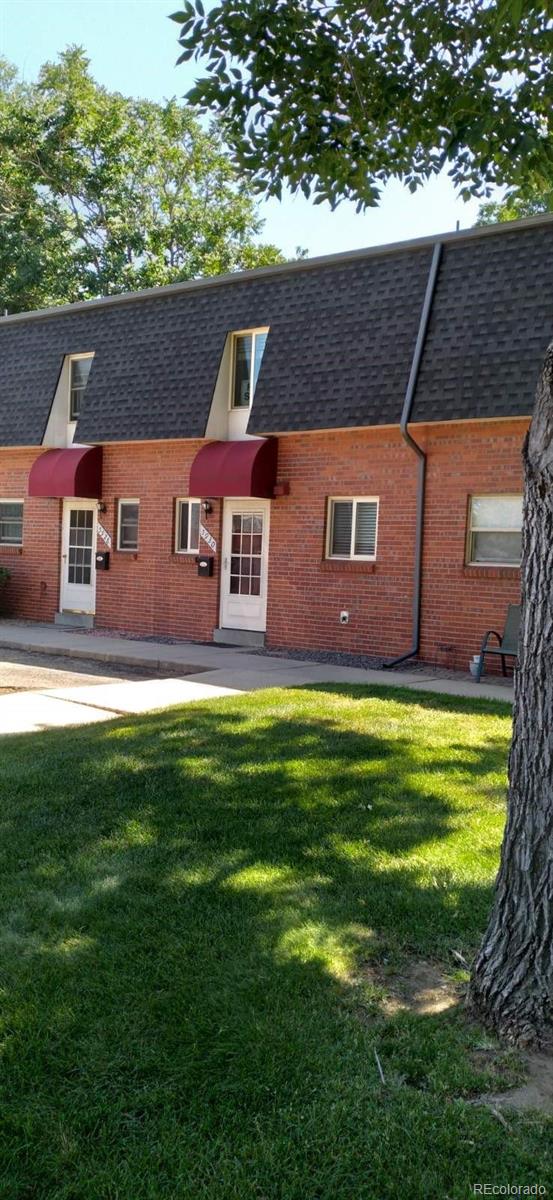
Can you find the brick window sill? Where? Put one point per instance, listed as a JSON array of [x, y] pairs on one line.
[[475, 572], [12, 551], [334, 566]]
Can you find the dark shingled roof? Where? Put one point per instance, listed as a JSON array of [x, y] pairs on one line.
[[491, 321], [342, 335]]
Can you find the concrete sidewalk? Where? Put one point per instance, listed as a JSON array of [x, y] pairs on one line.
[[194, 672]]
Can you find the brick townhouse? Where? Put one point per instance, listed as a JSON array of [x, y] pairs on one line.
[[322, 455]]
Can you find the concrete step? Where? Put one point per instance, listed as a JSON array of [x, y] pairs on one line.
[[73, 620], [239, 637]]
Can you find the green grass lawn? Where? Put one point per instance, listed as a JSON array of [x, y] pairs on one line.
[[193, 908]]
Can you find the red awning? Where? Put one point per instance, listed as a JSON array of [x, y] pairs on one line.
[[238, 469], [76, 471]]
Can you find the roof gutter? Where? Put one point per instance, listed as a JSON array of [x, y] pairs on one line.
[[421, 456]]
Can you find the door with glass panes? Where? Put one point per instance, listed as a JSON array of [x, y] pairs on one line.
[[245, 564], [78, 564]]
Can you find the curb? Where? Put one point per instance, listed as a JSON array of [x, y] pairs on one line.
[[123, 660]]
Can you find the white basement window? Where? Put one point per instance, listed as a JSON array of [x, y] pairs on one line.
[[11, 522], [352, 527], [494, 535], [187, 526], [127, 525], [247, 355], [79, 370]]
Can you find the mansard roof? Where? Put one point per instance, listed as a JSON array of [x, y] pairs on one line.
[[342, 334]]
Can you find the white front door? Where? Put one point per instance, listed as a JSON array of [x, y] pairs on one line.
[[245, 559], [78, 556]]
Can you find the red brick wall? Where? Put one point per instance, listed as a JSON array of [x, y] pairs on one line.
[[158, 592], [307, 593], [33, 590], [155, 591], [459, 602]]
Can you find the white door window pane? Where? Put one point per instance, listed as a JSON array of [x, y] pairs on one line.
[[81, 526], [245, 563]]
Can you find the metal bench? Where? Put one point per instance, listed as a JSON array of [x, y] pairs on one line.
[[508, 644]]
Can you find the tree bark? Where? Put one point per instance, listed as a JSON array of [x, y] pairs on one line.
[[512, 981]]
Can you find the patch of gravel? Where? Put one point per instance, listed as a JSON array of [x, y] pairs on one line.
[[370, 662], [157, 638], [335, 658]]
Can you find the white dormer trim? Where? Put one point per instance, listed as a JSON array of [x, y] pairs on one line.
[[226, 423], [60, 431]]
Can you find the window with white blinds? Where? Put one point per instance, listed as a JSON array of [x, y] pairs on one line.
[[11, 522], [495, 530], [187, 527], [352, 527]]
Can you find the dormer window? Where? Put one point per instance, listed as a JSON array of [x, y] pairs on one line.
[[79, 367], [248, 347]]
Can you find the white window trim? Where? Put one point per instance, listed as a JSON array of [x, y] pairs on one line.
[[355, 501], [186, 500], [71, 358], [14, 500], [236, 333], [126, 549], [479, 562]]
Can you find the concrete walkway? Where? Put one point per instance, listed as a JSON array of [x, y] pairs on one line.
[[193, 673]]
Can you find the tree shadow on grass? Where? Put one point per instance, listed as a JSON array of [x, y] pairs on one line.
[[187, 899]]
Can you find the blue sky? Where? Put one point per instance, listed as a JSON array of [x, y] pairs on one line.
[[132, 47]]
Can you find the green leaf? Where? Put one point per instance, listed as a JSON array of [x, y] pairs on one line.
[[395, 91]]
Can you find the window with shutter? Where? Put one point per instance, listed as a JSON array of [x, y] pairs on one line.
[[352, 527]]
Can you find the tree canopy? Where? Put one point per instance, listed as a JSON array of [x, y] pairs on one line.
[[530, 202], [336, 98], [102, 193]]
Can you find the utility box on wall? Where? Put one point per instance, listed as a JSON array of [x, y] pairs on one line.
[[205, 565], [102, 560]]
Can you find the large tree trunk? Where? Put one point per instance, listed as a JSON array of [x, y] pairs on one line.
[[512, 982]]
